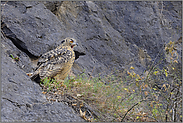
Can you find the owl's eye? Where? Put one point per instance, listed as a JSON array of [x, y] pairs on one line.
[[71, 41]]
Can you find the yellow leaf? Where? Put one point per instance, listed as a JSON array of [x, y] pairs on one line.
[[175, 61], [170, 50], [119, 97], [166, 74], [125, 89], [132, 67], [170, 42], [137, 84], [128, 72], [134, 74], [170, 111]]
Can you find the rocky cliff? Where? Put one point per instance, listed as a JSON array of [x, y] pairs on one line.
[[111, 36]]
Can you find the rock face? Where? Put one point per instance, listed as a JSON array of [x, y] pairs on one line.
[[111, 35], [22, 99], [117, 35]]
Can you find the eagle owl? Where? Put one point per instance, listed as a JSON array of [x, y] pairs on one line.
[[56, 63]]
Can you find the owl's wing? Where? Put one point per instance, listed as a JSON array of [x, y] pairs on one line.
[[51, 54], [56, 56], [52, 62]]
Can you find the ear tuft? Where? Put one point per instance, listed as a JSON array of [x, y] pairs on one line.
[[62, 41]]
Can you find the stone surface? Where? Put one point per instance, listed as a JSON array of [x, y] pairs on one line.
[[22, 99], [120, 34], [112, 35], [52, 5], [33, 24]]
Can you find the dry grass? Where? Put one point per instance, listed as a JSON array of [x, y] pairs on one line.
[[155, 97]]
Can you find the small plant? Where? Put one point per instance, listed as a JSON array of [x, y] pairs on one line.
[[50, 84], [14, 58], [152, 97], [149, 97]]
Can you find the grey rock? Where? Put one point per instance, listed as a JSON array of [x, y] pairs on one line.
[[112, 35], [106, 31], [22, 99], [52, 5], [35, 26], [110, 30]]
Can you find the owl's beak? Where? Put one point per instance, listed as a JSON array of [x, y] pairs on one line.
[[74, 44]]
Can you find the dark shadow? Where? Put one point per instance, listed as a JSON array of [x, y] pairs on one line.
[[77, 54], [17, 42]]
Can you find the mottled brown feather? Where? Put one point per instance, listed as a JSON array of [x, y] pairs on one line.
[[56, 63]]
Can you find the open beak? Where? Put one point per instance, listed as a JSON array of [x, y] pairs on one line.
[[74, 44]]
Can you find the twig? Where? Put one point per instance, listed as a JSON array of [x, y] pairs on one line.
[[131, 109]]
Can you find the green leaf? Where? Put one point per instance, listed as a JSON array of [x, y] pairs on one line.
[[155, 72], [154, 89], [155, 111], [136, 79], [11, 56]]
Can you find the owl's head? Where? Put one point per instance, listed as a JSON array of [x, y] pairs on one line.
[[69, 42]]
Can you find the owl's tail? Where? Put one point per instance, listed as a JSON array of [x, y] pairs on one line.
[[34, 76]]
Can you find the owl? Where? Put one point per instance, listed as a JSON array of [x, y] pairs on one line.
[[56, 63]]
